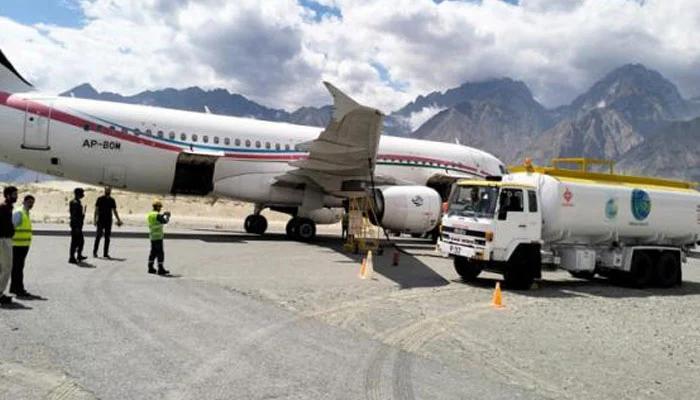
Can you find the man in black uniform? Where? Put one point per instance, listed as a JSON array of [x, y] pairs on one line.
[[77, 217], [7, 231], [104, 207]]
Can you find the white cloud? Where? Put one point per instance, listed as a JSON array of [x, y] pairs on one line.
[[416, 119], [274, 53]]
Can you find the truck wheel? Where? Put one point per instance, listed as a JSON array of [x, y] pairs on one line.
[[466, 269], [642, 273], [518, 277], [588, 275], [668, 270]]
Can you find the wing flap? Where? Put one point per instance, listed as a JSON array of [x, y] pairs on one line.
[[346, 149]]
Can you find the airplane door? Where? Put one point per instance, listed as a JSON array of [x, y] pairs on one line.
[[114, 175], [194, 174], [36, 128]]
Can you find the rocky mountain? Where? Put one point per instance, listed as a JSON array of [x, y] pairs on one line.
[[218, 101], [508, 98], [486, 125], [672, 153], [642, 96], [616, 115], [601, 133]]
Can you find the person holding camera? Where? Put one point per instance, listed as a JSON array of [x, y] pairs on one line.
[[156, 220]]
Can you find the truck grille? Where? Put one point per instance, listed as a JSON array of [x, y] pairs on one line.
[[466, 232]]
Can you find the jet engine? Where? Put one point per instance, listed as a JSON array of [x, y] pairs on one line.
[[326, 216], [407, 209]]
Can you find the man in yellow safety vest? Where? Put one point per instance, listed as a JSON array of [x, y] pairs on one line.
[[20, 246], [155, 221]]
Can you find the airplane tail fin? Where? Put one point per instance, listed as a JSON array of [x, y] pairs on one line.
[[10, 80]]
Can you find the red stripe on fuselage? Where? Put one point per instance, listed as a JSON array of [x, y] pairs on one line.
[[60, 116], [35, 107]]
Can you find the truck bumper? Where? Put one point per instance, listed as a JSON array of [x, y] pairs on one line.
[[452, 249]]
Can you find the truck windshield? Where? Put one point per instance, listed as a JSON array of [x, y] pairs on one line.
[[473, 201]]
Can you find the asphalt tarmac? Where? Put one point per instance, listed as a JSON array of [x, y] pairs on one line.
[[247, 317]]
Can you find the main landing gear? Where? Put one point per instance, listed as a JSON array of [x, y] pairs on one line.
[[256, 224], [302, 229]]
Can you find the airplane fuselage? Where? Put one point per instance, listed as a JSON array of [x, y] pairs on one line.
[[157, 150]]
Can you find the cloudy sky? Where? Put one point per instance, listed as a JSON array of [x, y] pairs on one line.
[[382, 52]]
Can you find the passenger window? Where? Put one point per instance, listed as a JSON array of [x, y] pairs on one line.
[[194, 137], [205, 139], [532, 201], [247, 143], [227, 141], [137, 131], [171, 135], [267, 145], [286, 147], [160, 134], [183, 136], [148, 132], [257, 144], [237, 142], [216, 140], [277, 146]]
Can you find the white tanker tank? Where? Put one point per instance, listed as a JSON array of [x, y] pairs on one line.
[[590, 213], [588, 223]]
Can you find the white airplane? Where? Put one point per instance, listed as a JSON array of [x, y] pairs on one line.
[[307, 172]]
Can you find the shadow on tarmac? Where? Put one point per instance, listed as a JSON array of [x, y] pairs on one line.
[[597, 287], [14, 306], [32, 297], [83, 264], [410, 273]]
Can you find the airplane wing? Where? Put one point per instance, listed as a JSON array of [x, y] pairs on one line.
[[345, 152]]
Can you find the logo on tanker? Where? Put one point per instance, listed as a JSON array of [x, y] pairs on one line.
[[611, 208], [641, 204], [568, 197], [417, 201]]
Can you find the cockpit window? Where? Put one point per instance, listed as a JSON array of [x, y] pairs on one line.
[[474, 201], [503, 169]]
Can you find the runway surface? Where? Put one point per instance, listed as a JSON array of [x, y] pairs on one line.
[[258, 318]]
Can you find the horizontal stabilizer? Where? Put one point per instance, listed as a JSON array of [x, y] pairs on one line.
[[10, 80]]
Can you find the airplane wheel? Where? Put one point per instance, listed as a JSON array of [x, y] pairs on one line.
[[291, 228], [305, 230], [255, 224]]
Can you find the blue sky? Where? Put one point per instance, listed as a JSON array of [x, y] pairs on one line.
[[55, 12], [68, 13]]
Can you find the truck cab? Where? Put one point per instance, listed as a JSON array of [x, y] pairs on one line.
[[494, 225]]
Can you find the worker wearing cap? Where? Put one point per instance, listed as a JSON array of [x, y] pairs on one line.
[[77, 217], [156, 220]]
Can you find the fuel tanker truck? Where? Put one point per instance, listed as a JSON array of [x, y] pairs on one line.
[[636, 230]]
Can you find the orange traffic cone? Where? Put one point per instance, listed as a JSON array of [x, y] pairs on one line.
[[363, 269], [369, 270], [497, 299]]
